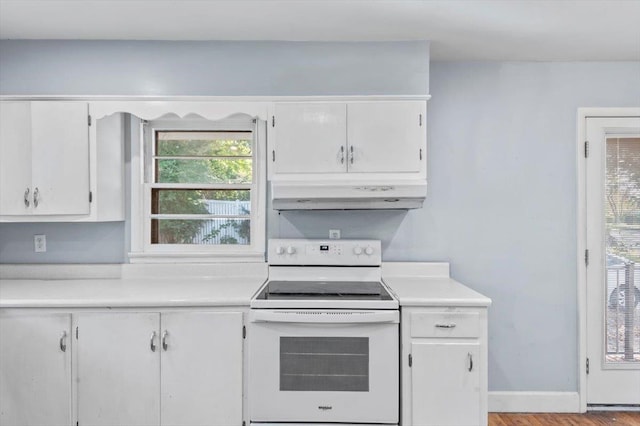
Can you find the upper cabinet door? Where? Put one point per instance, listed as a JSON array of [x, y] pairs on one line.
[[60, 152], [387, 137], [310, 138], [15, 158]]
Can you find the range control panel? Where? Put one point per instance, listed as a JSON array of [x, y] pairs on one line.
[[324, 252]]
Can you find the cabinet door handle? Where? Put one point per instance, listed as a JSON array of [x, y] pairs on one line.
[[342, 154], [63, 343], [152, 342], [36, 194], [449, 325], [26, 197], [470, 361], [351, 150], [164, 340]]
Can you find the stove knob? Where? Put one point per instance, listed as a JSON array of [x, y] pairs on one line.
[[368, 251], [291, 249], [357, 251], [280, 250]]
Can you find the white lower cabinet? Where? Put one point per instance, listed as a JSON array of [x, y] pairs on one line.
[[117, 369], [201, 363], [178, 368], [35, 369], [444, 367]]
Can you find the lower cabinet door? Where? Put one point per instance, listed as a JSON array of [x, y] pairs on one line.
[[201, 382], [35, 369], [118, 369], [445, 382]]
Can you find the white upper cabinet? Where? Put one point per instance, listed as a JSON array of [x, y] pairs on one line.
[[60, 157], [386, 137], [44, 157], [55, 165], [15, 158], [348, 137], [311, 138]]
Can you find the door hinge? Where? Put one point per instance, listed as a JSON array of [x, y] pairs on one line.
[[90, 196], [586, 149], [89, 120], [410, 360], [273, 121], [587, 365], [76, 333], [420, 120], [273, 155], [586, 258], [244, 332]]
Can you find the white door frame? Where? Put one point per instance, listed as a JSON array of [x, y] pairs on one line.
[[581, 233]]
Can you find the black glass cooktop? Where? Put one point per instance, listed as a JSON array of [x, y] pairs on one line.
[[324, 290]]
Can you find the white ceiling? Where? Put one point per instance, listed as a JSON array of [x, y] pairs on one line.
[[538, 30]]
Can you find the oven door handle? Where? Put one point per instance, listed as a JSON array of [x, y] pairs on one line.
[[324, 317]]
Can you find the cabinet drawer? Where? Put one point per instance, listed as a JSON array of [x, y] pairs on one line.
[[445, 324]]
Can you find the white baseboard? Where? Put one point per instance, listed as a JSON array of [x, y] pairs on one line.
[[534, 402]]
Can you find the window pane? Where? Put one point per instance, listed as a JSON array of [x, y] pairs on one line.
[[201, 201], [207, 144], [204, 171], [200, 231], [622, 219]]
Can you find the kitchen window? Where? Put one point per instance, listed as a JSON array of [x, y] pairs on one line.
[[202, 197]]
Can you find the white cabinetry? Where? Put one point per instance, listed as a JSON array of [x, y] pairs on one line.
[[386, 137], [310, 138], [55, 166], [348, 137], [117, 369], [175, 368], [35, 369], [201, 381], [44, 158], [445, 366]]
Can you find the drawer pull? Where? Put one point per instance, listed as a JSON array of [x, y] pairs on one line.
[[449, 325]]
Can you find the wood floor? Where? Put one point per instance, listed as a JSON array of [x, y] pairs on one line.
[[591, 418]]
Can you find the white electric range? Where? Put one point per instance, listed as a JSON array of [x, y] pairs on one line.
[[324, 337]]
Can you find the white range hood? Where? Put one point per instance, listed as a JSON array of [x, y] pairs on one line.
[[344, 195]]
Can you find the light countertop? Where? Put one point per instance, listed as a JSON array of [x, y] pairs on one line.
[[191, 292], [415, 284]]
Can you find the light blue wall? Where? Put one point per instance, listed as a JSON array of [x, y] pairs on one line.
[[190, 69], [501, 205], [212, 68]]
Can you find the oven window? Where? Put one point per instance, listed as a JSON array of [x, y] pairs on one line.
[[331, 364]]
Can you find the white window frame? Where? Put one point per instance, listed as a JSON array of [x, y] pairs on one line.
[[142, 251]]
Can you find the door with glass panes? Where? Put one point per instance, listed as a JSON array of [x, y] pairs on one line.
[[613, 272]]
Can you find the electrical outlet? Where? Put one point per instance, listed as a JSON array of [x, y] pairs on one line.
[[40, 243], [334, 234]]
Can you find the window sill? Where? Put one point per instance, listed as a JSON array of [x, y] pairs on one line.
[[197, 257]]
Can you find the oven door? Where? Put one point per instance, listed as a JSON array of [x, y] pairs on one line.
[[324, 366]]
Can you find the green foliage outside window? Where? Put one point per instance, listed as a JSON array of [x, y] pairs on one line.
[[208, 162]]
